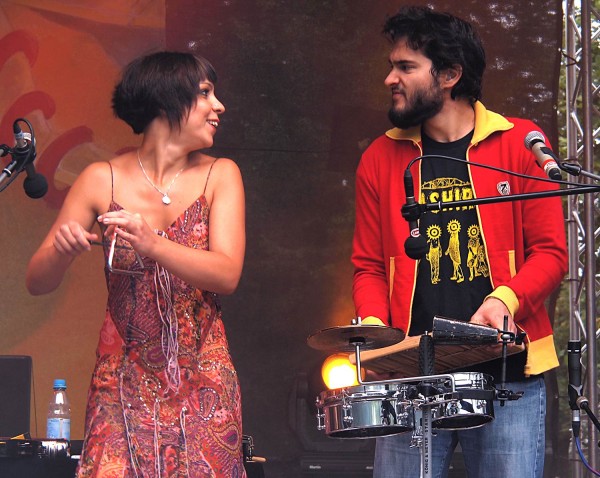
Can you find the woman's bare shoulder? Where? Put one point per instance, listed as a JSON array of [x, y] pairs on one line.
[[94, 185], [96, 170], [224, 166]]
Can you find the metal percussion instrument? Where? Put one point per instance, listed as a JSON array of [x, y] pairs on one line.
[[473, 408], [346, 337], [365, 411], [450, 401]]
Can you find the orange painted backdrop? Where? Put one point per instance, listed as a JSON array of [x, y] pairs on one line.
[[58, 63]]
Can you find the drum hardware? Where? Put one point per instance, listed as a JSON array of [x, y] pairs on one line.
[[506, 337], [418, 404], [247, 447], [248, 450], [427, 367], [375, 408]]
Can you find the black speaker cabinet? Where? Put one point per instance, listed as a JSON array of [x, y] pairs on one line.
[[15, 394]]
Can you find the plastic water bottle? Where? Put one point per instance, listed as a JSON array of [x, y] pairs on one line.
[[58, 422]]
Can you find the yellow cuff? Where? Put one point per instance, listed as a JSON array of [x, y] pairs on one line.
[[372, 320], [541, 356], [506, 295]]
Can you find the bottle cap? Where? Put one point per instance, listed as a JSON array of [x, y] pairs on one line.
[[60, 383]]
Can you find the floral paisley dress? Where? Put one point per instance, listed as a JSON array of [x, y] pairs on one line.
[[164, 400]]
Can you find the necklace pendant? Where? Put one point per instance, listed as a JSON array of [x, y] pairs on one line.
[[166, 200]]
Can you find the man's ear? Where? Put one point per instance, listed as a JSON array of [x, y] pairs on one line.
[[450, 76]]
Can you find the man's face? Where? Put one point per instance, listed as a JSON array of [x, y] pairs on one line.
[[416, 93]]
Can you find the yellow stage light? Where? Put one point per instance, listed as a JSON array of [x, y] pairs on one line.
[[338, 372]]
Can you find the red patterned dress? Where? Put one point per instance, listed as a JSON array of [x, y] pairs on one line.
[[164, 399]]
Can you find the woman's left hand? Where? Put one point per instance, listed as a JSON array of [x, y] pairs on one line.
[[130, 227]]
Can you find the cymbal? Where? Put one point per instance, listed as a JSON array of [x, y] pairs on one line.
[[344, 338]]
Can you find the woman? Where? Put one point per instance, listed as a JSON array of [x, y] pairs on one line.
[[164, 399]]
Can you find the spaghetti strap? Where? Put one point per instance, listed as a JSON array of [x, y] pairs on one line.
[[208, 176], [112, 183]]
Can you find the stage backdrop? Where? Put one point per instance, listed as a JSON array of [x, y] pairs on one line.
[[303, 86]]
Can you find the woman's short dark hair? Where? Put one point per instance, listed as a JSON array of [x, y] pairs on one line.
[[446, 40], [160, 84]]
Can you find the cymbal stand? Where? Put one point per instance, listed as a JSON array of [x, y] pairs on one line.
[[423, 403], [426, 367], [430, 398], [506, 337]]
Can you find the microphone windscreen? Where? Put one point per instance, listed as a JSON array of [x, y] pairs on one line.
[[415, 247], [35, 186]]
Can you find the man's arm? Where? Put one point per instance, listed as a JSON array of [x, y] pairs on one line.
[[370, 284]]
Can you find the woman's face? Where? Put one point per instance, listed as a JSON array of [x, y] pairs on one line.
[[203, 121]]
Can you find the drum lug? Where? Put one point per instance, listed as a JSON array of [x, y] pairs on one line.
[[416, 438], [320, 420], [453, 408], [347, 413]]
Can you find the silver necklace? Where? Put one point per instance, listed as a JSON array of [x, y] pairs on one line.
[[165, 194]]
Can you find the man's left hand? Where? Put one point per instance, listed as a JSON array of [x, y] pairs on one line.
[[492, 313]]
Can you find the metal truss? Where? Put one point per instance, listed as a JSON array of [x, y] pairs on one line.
[[582, 30]]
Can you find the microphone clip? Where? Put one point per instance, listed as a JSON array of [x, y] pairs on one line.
[[4, 150], [411, 211]]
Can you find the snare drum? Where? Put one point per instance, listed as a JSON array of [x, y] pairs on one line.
[[475, 408], [365, 411]]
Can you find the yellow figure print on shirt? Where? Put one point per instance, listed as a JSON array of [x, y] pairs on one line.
[[434, 254], [454, 250], [476, 259], [448, 239]]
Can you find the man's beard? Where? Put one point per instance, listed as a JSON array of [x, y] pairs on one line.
[[425, 104]]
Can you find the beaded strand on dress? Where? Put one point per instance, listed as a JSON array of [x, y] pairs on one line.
[[170, 345], [132, 456]]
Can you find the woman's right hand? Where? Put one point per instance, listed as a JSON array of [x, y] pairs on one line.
[[72, 239]]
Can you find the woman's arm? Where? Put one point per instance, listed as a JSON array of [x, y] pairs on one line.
[[70, 234]]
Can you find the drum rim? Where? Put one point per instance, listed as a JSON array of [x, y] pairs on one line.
[[362, 391]]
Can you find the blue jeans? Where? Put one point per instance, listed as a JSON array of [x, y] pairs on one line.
[[511, 446]]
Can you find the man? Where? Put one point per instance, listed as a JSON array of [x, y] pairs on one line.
[[480, 263]]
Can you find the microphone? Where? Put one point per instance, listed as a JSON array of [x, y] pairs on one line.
[[545, 158], [35, 184], [415, 245], [574, 369], [21, 142]]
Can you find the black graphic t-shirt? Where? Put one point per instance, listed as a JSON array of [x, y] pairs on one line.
[[453, 278]]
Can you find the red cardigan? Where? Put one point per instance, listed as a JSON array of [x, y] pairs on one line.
[[524, 240]]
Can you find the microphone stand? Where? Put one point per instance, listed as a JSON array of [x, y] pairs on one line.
[[575, 169], [415, 211], [21, 158], [12, 169]]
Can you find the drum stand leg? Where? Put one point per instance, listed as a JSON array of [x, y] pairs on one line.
[[423, 438], [426, 436], [426, 366]]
